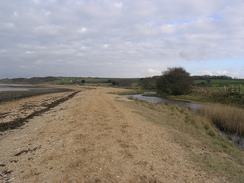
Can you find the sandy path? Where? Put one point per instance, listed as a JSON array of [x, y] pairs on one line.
[[94, 137]]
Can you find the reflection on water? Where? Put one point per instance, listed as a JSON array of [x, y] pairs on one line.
[[239, 141], [29, 87], [158, 100], [13, 89], [4, 84]]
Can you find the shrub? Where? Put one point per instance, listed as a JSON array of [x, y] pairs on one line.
[[175, 81]]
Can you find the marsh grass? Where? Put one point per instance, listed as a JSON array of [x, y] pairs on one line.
[[227, 118]]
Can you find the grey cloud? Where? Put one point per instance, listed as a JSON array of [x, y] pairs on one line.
[[115, 38]]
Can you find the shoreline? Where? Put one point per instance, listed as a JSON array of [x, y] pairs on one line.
[[6, 96], [16, 108], [18, 122]]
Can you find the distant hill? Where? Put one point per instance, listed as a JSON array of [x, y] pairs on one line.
[[34, 80], [72, 80]]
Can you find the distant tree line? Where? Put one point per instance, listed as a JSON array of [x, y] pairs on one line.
[[33, 80], [123, 82], [205, 77]]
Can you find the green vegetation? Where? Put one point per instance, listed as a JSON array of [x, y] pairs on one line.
[[78, 80], [221, 82], [175, 81], [207, 95], [197, 136], [222, 90]]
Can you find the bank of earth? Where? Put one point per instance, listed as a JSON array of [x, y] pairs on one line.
[[101, 137]]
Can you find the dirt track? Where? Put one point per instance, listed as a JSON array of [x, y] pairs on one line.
[[94, 137]]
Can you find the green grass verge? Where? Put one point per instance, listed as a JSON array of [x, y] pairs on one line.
[[206, 95]]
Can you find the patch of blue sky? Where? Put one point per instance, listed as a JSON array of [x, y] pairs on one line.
[[215, 17], [213, 66], [152, 21], [186, 21], [181, 21], [220, 63]]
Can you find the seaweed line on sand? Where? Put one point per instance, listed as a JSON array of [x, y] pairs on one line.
[[21, 121]]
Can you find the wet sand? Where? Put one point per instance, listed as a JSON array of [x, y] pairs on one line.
[[28, 91]]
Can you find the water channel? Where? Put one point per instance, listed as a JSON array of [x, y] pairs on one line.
[[26, 88], [193, 106], [9, 92]]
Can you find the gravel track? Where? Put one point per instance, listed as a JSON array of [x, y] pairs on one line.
[[94, 137]]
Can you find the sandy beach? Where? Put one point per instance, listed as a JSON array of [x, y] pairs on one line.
[[94, 136]]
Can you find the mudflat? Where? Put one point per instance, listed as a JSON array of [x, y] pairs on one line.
[[19, 92], [92, 137]]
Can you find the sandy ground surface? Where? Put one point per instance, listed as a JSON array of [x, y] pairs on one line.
[[92, 137]]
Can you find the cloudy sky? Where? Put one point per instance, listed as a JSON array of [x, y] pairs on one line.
[[120, 38]]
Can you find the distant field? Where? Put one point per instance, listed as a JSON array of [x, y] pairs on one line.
[[221, 82], [236, 85]]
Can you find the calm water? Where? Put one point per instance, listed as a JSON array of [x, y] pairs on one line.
[[27, 87], [11, 87], [158, 100], [239, 141]]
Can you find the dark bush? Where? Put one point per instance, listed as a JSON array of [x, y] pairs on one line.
[[175, 81]]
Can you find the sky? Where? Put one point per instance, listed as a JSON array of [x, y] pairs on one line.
[[120, 38]]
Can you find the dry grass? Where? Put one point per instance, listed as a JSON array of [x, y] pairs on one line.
[[226, 118], [197, 136]]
